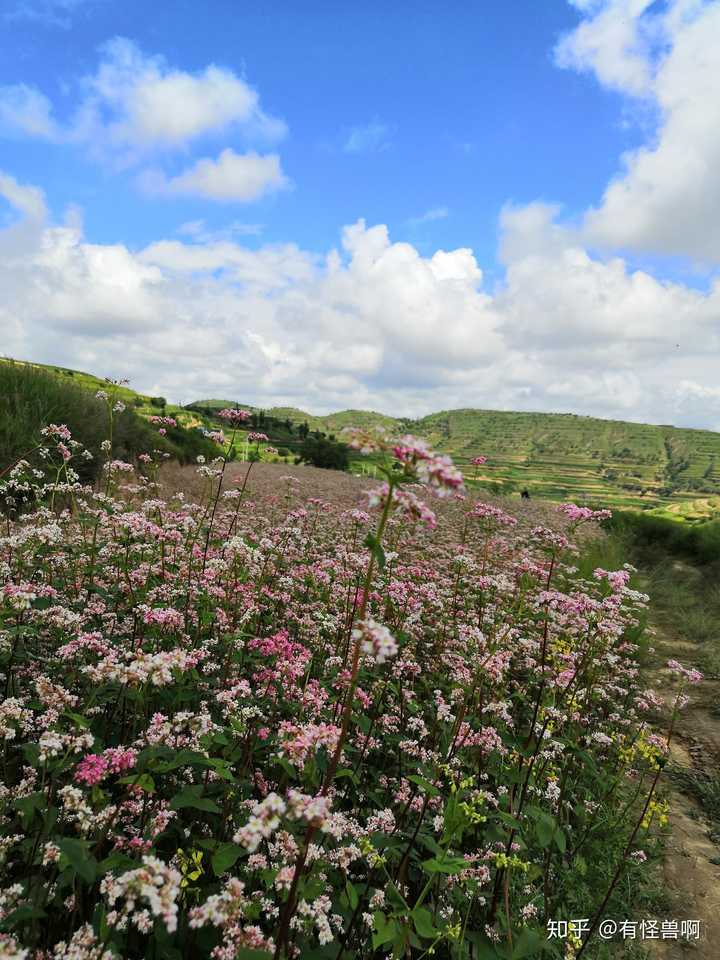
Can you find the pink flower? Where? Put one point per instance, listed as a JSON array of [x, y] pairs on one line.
[[478, 461], [234, 416], [91, 769], [120, 759], [583, 514], [689, 674]]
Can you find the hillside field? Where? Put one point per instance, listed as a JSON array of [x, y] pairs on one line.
[[555, 456]]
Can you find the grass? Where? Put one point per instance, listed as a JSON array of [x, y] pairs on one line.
[[31, 397], [705, 788]]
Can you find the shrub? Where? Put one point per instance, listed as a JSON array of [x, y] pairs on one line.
[[322, 452]]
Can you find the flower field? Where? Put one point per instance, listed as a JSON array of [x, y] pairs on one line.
[[256, 722]]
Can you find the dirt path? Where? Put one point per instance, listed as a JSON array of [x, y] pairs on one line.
[[692, 878]]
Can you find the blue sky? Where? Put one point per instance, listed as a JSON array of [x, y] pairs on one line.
[[196, 164]]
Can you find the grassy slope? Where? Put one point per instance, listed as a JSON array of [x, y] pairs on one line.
[[560, 456], [557, 456]]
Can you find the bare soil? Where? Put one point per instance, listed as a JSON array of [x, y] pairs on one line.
[[691, 877]]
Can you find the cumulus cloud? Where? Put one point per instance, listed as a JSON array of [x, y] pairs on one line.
[[136, 104], [666, 198], [233, 176], [372, 323], [139, 101]]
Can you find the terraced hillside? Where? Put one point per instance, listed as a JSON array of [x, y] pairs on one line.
[[556, 456]]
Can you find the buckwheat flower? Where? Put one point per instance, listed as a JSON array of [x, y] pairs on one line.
[[262, 824], [155, 885], [51, 853], [221, 908], [485, 511], [106, 446], [689, 674], [257, 437], [584, 514], [120, 759], [14, 716], [10, 949], [84, 945], [101, 395], [478, 461], [365, 440], [91, 770], [59, 430], [375, 640], [234, 416]]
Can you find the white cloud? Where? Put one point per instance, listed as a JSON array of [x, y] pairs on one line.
[[666, 199], [371, 138], [434, 213], [615, 43], [136, 104], [54, 13], [232, 177], [27, 200], [25, 111], [202, 233], [371, 324], [140, 102]]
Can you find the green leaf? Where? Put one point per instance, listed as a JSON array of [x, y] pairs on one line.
[[422, 918], [190, 797], [352, 895], [247, 953], [29, 805], [383, 929], [446, 865], [544, 830], [427, 787], [560, 841], [117, 861], [144, 781], [484, 947], [225, 856], [77, 719], [78, 856], [23, 914], [509, 820], [530, 943]]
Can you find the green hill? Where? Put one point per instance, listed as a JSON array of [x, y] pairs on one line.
[[556, 456]]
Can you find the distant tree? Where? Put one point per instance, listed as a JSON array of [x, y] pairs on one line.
[[321, 452], [158, 402], [289, 425]]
